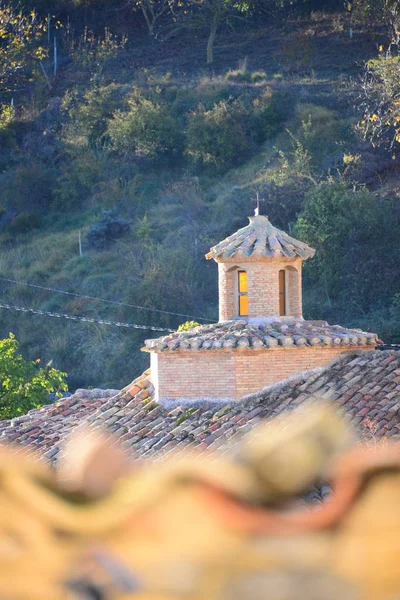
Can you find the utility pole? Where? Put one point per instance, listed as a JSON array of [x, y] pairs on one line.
[[45, 75], [80, 244], [55, 56]]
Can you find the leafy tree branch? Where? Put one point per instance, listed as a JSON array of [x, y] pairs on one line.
[[25, 384]]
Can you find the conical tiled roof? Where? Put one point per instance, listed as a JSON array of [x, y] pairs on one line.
[[260, 239]]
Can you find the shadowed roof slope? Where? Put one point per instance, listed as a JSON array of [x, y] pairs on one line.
[[365, 384], [260, 239]]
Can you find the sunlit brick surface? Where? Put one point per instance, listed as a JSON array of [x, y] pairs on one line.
[[216, 374]]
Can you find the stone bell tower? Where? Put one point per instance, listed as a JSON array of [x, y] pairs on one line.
[[261, 337], [259, 269]]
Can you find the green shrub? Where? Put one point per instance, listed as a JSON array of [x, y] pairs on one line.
[[109, 228], [355, 236], [77, 178], [380, 87], [218, 137], [89, 115], [243, 76], [209, 92], [322, 132], [92, 51], [258, 76], [238, 75], [144, 231], [147, 129], [28, 186], [25, 222], [188, 325], [268, 112], [7, 131]]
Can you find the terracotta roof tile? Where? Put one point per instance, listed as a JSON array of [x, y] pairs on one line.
[[150, 429], [260, 239], [267, 332], [44, 427]]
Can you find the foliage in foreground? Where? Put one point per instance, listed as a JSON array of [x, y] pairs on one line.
[[25, 384]]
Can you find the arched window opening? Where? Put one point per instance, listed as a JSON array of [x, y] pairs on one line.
[[243, 293], [282, 293]]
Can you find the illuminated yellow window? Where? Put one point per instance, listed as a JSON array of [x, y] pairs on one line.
[[243, 294], [242, 282], [243, 306]]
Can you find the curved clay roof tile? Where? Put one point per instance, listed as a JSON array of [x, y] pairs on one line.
[[260, 238]]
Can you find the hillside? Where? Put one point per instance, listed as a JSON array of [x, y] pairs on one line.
[[151, 156]]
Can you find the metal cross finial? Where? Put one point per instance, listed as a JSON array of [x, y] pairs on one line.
[[257, 199]]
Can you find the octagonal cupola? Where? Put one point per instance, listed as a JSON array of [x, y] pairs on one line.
[[259, 269]]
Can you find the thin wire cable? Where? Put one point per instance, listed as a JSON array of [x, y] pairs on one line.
[[37, 311], [115, 302]]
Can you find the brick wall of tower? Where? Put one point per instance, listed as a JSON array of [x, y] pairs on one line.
[[294, 277], [256, 369], [263, 286], [227, 289], [263, 289], [232, 374], [194, 375]]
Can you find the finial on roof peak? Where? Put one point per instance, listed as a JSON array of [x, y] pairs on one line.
[[257, 199]]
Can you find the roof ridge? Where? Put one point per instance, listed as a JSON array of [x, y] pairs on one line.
[[264, 333]]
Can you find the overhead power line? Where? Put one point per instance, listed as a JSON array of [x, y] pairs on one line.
[[37, 311], [115, 302]]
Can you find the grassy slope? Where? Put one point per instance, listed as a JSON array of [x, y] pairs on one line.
[[308, 60]]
